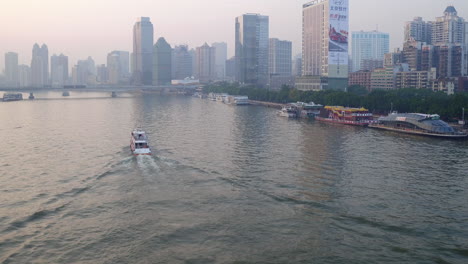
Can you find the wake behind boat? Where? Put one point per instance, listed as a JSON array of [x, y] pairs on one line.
[[139, 143]]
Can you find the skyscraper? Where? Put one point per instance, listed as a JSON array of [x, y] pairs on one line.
[[40, 66], [418, 30], [11, 68], [252, 47], [449, 28], [221, 57], [280, 57], [118, 67], [143, 52], [368, 46], [182, 63], [324, 45], [206, 61], [58, 70], [24, 76], [162, 63]]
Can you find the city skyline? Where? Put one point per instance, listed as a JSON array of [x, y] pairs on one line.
[[171, 22]]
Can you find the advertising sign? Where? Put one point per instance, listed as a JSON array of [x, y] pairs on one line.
[[338, 33]]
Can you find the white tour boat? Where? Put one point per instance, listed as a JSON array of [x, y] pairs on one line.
[[288, 111], [139, 143]]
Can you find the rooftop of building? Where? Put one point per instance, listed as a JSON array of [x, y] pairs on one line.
[[450, 10]]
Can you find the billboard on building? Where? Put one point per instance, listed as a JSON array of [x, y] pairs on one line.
[[338, 33]]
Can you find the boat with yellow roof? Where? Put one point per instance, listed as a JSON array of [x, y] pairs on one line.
[[346, 116]]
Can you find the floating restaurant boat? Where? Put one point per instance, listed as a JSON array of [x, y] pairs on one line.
[[307, 110], [288, 111], [139, 143], [238, 100], [345, 115], [8, 97], [418, 124]]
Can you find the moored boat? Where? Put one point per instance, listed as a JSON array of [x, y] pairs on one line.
[[345, 115], [139, 143], [307, 110], [288, 111], [418, 124], [8, 97]]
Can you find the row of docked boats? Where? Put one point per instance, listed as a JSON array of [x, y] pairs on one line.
[[409, 123], [228, 99], [300, 110]]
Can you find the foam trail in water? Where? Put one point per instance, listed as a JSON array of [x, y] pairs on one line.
[[147, 164]]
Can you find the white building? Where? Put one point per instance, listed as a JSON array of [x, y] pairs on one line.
[[221, 57], [59, 70], [324, 45], [11, 68], [372, 45]]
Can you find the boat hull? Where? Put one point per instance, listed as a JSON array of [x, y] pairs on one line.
[[343, 122], [420, 133]]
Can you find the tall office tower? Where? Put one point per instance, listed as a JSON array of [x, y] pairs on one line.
[[162, 63], [449, 28], [231, 69], [143, 52], [221, 57], [418, 30], [252, 47], [102, 74], [11, 68], [280, 64], [84, 72], [368, 46], [297, 65], [118, 67], [59, 70], [40, 66], [206, 63], [182, 63], [280, 57], [193, 54], [24, 76], [113, 68], [324, 45]]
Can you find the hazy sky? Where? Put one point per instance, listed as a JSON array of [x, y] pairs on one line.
[[82, 28]]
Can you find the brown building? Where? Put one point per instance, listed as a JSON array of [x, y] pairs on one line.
[[415, 79], [362, 78]]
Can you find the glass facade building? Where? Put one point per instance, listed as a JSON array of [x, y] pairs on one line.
[[371, 45]]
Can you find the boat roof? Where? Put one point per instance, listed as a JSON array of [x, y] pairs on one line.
[[347, 109]]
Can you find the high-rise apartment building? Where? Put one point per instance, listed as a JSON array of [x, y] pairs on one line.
[[143, 52], [370, 45], [324, 45], [84, 72], [24, 76], [231, 69], [221, 57], [11, 68], [252, 48], [206, 63], [102, 74], [182, 63], [59, 70], [40, 66], [418, 30], [118, 67], [162, 63], [449, 28]]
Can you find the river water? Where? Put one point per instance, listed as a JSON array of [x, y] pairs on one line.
[[225, 185]]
